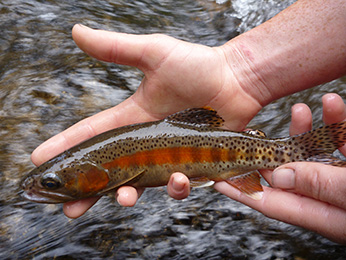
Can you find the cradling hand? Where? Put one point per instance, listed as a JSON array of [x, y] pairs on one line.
[[306, 194]]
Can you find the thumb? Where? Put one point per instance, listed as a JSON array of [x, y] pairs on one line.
[[178, 186], [319, 181], [142, 51]]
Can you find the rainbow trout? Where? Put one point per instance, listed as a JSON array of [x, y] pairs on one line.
[[191, 141]]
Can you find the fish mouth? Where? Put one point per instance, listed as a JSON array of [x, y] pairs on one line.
[[46, 197]]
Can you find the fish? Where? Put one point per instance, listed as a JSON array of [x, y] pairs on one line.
[[192, 141]]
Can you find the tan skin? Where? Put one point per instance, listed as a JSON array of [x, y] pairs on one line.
[[313, 197], [295, 50]]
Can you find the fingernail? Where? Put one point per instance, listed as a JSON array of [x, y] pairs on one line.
[[83, 26], [178, 184], [283, 178]]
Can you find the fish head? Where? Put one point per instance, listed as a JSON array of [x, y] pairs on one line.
[[59, 182]]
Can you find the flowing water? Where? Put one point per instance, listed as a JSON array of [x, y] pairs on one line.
[[47, 84]]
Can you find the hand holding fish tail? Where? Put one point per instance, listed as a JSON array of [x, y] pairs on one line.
[[306, 194], [318, 181]]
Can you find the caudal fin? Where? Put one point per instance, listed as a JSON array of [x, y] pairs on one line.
[[318, 145]]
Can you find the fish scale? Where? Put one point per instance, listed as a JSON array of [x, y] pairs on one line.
[[191, 141]]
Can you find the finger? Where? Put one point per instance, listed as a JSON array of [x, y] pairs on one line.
[[142, 51], [301, 121], [127, 196], [75, 209], [178, 186], [334, 108], [318, 216], [321, 182]]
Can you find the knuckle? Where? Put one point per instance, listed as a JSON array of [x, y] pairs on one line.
[[317, 186], [313, 183], [324, 183]]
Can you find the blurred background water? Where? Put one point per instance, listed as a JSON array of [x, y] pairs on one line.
[[47, 84]]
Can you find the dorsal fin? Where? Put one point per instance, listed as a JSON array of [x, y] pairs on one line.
[[205, 116]]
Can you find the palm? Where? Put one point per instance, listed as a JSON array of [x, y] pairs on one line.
[[183, 78]]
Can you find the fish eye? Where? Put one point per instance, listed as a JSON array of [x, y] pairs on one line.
[[51, 181]]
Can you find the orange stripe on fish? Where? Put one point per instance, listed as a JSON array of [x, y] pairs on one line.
[[173, 155]]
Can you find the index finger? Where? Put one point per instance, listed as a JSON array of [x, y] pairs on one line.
[[292, 208], [334, 110]]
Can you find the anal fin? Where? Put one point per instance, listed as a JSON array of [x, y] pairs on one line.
[[248, 183]]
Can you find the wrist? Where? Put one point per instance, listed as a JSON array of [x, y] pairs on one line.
[[249, 69], [233, 102], [301, 47]]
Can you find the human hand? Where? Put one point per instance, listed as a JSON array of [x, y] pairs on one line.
[[306, 194], [178, 75]]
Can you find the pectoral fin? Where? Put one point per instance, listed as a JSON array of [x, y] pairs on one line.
[[248, 183], [201, 182], [122, 182]]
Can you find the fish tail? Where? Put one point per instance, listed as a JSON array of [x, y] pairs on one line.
[[318, 145]]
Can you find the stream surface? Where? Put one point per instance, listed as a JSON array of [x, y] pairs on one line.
[[47, 84]]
